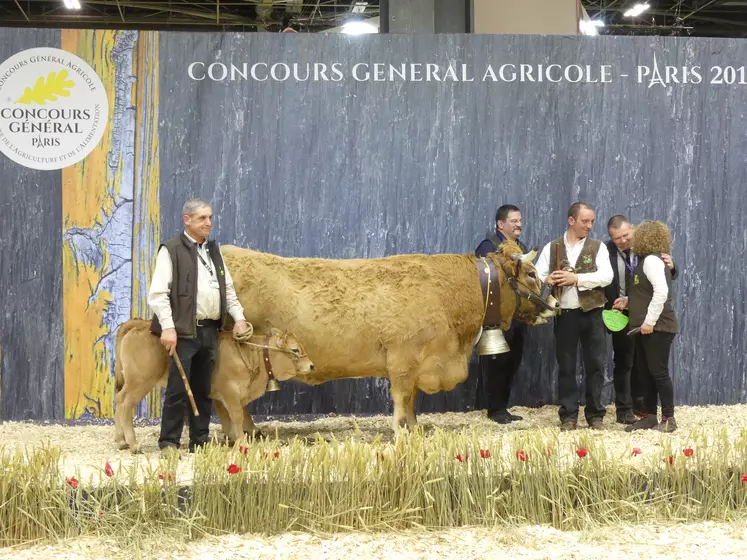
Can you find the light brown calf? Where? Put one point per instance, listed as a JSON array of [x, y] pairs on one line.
[[239, 376]]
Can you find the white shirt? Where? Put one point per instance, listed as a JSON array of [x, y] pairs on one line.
[[208, 296], [655, 270], [588, 281]]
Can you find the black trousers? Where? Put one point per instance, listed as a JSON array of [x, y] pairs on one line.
[[652, 367], [626, 388], [198, 357], [572, 327], [498, 371]]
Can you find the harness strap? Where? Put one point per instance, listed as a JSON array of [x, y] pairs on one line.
[[491, 292], [266, 355]]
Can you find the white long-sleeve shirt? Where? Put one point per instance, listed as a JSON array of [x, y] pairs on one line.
[[655, 270], [587, 281], [208, 293]]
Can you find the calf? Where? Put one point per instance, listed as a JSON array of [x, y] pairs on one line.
[[240, 374]]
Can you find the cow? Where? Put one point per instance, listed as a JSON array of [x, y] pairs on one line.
[[411, 318], [240, 375]]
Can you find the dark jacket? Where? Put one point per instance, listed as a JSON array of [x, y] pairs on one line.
[[612, 291]]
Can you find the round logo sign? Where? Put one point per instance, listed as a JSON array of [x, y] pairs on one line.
[[53, 108]]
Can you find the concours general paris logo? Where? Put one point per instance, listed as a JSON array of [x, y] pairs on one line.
[[53, 108]]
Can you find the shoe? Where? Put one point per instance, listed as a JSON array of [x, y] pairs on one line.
[[626, 417], [500, 417], [595, 423], [515, 417], [667, 425], [638, 413], [645, 423], [567, 426]]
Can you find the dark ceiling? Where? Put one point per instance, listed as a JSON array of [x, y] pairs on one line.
[[709, 18]]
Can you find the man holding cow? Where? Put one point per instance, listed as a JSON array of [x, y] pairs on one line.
[[191, 293], [498, 370]]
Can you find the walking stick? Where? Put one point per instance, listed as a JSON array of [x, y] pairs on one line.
[[186, 384]]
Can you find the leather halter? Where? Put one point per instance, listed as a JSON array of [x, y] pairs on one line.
[[491, 297]]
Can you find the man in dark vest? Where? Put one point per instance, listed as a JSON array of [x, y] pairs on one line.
[[628, 396], [191, 294], [498, 371], [579, 269]]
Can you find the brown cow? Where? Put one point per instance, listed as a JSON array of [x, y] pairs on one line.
[[412, 318], [239, 376]]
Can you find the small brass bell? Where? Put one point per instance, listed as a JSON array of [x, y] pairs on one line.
[[492, 342], [272, 385]]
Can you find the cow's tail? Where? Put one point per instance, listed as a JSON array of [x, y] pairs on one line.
[[121, 333]]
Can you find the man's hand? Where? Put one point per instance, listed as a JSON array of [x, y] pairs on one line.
[[667, 261], [168, 339], [646, 328], [620, 303], [240, 328], [564, 278]]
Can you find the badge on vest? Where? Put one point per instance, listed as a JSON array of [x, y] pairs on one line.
[[587, 259], [636, 280]]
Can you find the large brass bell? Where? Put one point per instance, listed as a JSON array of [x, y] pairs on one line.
[[492, 342], [272, 384]]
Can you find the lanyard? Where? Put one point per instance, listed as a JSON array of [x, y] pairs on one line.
[[630, 266], [209, 268]]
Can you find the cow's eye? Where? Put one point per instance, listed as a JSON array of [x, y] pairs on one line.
[[531, 274]]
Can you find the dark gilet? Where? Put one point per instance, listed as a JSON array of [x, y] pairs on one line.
[[640, 293], [586, 263], [183, 295]]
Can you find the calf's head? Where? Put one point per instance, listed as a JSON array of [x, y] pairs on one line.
[[287, 356]]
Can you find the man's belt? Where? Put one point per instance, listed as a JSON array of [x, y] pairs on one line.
[[207, 322], [491, 291]]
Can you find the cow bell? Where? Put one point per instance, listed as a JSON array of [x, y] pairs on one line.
[[272, 385], [492, 342]]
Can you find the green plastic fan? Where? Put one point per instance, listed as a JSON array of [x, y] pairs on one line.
[[614, 320]]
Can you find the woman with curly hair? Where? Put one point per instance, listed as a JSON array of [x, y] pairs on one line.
[[650, 308]]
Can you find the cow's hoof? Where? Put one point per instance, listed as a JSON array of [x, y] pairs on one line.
[[135, 449], [255, 434], [122, 445]]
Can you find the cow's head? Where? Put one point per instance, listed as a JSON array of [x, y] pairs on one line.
[[288, 357], [535, 304]]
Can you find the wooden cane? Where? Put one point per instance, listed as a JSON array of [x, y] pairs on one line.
[[186, 384]]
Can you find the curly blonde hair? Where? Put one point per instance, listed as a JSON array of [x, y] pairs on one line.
[[651, 238]]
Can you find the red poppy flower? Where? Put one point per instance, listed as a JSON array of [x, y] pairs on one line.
[[688, 452], [170, 478], [636, 451], [548, 453], [74, 483], [243, 449], [484, 453], [744, 478], [276, 454], [108, 470], [581, 452], [460, 459], [521, 456], [671, 460], [233, 469]]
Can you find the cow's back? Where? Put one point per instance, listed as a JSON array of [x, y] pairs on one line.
[[348, 312]]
